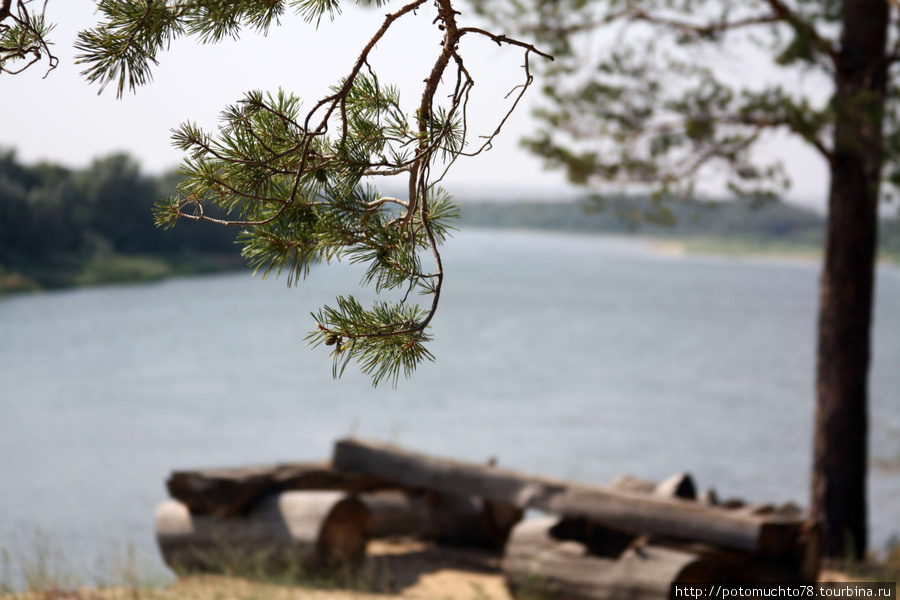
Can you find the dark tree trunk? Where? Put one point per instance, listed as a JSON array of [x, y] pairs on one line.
[[845, 311]]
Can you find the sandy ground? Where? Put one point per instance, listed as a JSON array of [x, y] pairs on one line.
[[393, 571], [444, 583], [407, 571]]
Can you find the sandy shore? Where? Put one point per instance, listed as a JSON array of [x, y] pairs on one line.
[[393, 571]]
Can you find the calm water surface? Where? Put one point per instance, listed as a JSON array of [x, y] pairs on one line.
[[579, 357]]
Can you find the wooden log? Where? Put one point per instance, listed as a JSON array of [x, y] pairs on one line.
[[226, 492], [419, 471], [734, 565], [471, 521], [397, 514], [629, 483], [599, 540], [536, 564], [768, 535], [799, 566], [680, 485], [630, 512], [284, 530], [444, 518], [501, 518], [708, 497]]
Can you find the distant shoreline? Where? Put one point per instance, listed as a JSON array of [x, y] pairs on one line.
[[774, 231], [117, 269], [111, 269], [748, 250]]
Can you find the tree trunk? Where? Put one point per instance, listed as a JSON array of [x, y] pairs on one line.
[[845, 311]]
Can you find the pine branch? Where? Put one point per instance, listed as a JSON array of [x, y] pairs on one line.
[[297, 184], [804, 28], [24, 37]]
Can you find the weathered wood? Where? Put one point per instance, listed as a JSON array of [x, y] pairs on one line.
[[226, 492], [537, 564], [769, 535], [419, 471], [796, 566], [501, 518], [444, 518], [630, 512], [319, 529], [680, 485], [630, 483], [598, 539], [708, 497], [397, 514]]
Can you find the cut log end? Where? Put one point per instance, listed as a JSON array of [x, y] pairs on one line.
[[287, 531], [342, 537]]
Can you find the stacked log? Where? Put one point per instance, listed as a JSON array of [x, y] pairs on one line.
[[268, 517], [680, 485], [537, 563], [226, 492], [306, 529], [630, 539], [628, 511], [447, 519]]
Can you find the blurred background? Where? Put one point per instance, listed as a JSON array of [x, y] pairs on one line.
[[571, 342]]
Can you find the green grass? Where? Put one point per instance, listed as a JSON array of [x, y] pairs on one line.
[[38, 569]]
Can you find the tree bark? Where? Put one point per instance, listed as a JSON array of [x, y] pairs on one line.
[[845, 310]]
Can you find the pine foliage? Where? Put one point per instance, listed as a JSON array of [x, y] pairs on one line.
[[302, 184], [24, 37], [663, 94], [668, 93]]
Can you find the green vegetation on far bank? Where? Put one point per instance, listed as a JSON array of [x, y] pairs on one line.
[[63, 228], [113, 269]]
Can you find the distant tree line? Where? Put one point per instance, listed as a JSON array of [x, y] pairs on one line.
[[60, 226], [744, 220], [54, 219]]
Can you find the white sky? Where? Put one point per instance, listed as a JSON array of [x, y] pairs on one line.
[[62, 119]]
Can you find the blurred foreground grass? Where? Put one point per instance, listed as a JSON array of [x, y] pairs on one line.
[[391, 571], [407, 571]]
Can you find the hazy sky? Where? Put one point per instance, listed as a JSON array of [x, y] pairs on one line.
[[61, 118]]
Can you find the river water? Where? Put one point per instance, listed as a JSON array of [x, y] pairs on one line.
[[570, 356]]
